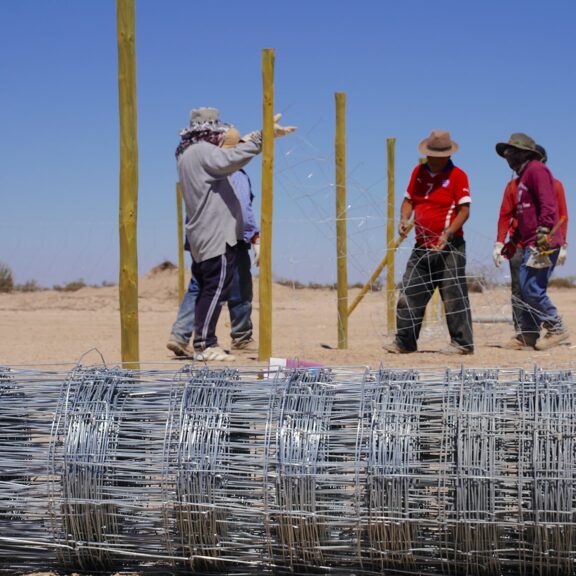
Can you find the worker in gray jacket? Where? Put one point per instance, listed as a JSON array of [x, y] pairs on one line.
[[214, 214]]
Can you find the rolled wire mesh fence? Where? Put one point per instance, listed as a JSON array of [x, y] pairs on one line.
[[297, 471]]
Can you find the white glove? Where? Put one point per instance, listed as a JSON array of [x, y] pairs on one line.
[[280, 131], [256, 247], [562, 256], [255, 136], [497, 254]]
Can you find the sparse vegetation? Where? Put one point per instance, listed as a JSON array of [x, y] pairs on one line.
[[563, 282], [71, 286], [30, 286], [163, 267], [6, 278]]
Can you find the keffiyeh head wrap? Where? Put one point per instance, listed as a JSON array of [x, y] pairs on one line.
[[205, 125]]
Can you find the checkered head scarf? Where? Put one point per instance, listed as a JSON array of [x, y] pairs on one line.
[[205, 125]]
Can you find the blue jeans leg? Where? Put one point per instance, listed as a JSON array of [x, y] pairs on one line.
[[241, 295], [183, 326], [539, 309]]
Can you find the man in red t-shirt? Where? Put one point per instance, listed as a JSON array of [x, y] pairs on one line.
[[504, 247], [439, 197]]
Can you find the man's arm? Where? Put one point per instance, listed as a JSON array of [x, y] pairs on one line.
[[405, 213], [462, 214], [507, 211]]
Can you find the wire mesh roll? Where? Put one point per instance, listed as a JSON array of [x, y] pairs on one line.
[[340, 470]]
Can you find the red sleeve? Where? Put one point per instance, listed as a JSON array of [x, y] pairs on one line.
[[462, 190], [507, 211], [562, 208]]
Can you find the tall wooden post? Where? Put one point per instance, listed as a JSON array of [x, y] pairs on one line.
[[128, 283], [265, 276], [390, 293], [341, 260], [180, 227]]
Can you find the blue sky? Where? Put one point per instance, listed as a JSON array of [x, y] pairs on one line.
[[479, 69]]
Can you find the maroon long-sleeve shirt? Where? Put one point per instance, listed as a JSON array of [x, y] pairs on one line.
[[537, 204]]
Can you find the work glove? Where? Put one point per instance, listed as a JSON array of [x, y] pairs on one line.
[[543, 239], [562, 256], [280, 131], [497, 254], [255, 136], [256, 248]]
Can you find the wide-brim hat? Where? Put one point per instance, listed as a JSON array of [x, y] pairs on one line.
[[518, 140], [438, 144]]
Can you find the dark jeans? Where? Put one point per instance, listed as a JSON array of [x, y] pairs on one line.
[[241, 295], [517, 304], [427, 270], [214, 277]]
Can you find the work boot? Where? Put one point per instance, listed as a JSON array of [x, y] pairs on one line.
[[551, 339], [395, 348], [520, 342], [242, 344], [454, 349], [179, 348]]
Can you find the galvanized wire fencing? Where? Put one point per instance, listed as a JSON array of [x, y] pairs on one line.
[[298, 471]]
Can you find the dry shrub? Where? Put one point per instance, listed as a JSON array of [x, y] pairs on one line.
[[6, 279], [71, 286], [164, 266], [30, 286], [564, 282]]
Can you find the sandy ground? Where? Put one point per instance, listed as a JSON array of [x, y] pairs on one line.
[[48, 327]]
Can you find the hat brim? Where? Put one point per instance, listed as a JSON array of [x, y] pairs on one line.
[[435, 153], [501, 148]]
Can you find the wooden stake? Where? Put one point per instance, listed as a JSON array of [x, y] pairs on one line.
[[265, 275], [341, 255], [128, 282]]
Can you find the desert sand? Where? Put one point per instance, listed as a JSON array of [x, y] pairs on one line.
[[55, 327], [46, 328]]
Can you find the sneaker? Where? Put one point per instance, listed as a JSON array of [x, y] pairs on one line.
[[179, 348], [395, 348], [242, 344], [214, 354], [551, 339], [520, 342], [455, 349]]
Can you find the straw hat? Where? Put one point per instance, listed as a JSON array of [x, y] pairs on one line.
[[438, 144]]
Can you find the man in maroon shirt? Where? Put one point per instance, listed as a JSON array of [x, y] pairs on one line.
[[439, 196], [539, 228], [504, 247]]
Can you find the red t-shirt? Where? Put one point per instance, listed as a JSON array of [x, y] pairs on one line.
[[434, 199]]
